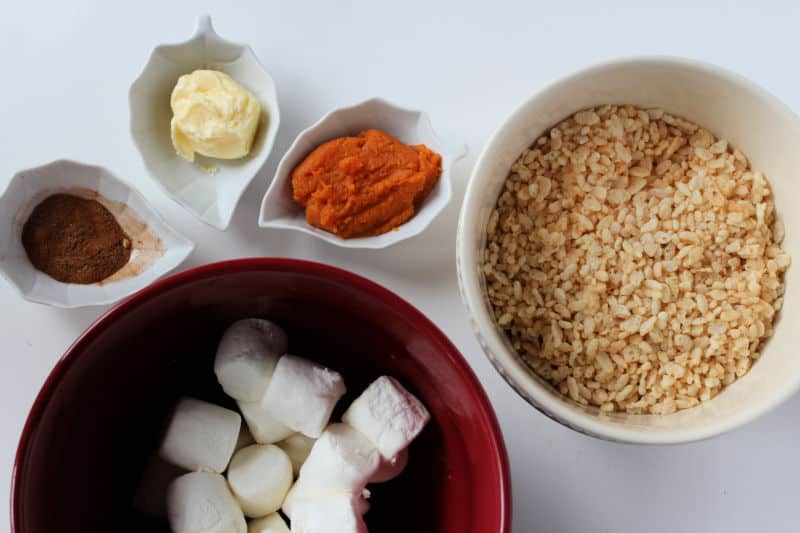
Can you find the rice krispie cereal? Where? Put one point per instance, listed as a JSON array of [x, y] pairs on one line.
[[634, 260]]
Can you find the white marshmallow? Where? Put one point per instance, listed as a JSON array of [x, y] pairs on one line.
[[297, 447], [341, 462], [332, 514], [151, 493], [201, 436], [200, 502], [300, 491], [246, 357], [390, 468], [288, 502], [387, 414], [302, 394], [260, 476], [263, 426], [245, 438], [269, 524], [342, 458]]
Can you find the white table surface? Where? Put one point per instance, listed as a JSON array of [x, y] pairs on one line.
[[65, 78]]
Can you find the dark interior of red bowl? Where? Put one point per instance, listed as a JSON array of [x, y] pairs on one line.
[[100, 414]]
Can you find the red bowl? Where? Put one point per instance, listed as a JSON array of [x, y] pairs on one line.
[[99, 414]]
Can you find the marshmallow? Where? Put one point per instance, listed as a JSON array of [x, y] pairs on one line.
[[245, 439], [342, 458], [341, 462], [338, 513], [297, 447], [301, 491], [388, 415], [263, 426], [151, 493], [260, 476], [302, 394], [201, 436], [288, 502], [246, 357], [390, 468], [200, 502], [269, 524]]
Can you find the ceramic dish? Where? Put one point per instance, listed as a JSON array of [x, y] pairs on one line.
[[732, 108], [279, 210], [105, 401], [157, 248], [210, 188]]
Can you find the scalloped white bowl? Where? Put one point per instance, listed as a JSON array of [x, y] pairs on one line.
[[212, 197], [730, 106], [279, 210], [29, 187]]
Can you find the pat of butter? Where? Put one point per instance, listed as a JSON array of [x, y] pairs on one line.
[[213, 116]]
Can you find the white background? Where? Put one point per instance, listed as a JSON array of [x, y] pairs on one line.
[[66, 71]]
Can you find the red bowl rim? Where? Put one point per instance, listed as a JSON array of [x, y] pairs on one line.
[[419, 320]]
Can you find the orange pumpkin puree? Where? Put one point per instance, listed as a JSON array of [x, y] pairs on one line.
[[364, 185]]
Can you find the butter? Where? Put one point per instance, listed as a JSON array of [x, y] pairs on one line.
[[212, 116]]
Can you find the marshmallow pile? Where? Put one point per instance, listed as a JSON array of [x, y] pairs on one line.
[[286, 459]]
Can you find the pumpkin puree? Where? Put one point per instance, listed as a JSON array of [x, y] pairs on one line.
[[364, 185]]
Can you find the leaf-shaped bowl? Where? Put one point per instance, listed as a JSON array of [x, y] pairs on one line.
[[157, 248], [279, 210], [211, 196]]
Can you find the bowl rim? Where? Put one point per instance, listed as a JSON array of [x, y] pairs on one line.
[[204, 29], [106, 320], [283, 174], [508, 364]]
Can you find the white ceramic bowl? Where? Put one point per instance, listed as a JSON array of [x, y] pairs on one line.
[[731, 107], [279, 210], [212, 197], [157, 248]]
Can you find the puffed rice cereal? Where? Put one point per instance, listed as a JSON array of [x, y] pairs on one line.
[[634, 260]]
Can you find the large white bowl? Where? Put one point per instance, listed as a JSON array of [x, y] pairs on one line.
[[210, 196], [731, 107]]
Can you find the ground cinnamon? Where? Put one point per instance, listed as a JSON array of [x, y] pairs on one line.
[[75, 240]]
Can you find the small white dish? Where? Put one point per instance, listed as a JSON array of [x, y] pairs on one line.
[[278, 208], [157, 248], [731, 107], [211, 196]]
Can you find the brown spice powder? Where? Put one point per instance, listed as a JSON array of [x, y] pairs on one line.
[[75, 240]]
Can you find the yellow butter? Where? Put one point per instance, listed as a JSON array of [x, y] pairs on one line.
[[212, 115]]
